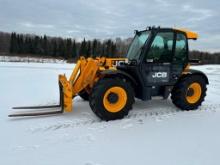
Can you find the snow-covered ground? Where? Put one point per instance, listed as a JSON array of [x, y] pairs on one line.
[[29, 59], [155, 132]]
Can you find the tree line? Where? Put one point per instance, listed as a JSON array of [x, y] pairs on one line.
[[59, 47], [70, 49], [205, 57]]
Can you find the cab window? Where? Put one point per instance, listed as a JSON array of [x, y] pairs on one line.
[[181, 48], [161, 48]]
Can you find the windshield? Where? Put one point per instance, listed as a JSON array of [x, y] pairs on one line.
[[136, 45]]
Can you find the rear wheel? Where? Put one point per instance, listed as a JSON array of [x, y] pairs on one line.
[[111, 98], [189, 93]]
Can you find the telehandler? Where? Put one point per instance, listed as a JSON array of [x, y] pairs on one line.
[[157, 64]]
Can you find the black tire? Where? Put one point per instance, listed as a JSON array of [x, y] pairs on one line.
[[99, 90], [84, 95], [179, 93]]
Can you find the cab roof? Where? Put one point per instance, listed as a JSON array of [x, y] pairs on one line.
[[189, 34]]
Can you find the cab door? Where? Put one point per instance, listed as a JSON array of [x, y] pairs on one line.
[[157, 61], [180, 58]]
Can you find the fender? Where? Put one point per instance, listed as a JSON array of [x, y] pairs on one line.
[[119, 72], [197, 72]]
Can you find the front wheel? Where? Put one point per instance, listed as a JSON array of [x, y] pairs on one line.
[[189, 92], [111, 98]]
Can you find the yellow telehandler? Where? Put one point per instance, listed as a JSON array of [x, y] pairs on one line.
[[157, 64]]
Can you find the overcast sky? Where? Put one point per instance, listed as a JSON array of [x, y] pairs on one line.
[[112, 18]]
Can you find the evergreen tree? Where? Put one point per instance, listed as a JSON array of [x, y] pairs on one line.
[[74, 50], [88, 50], [31, 45], [68, 54], [54, 48], [113, 50], [103, 54], [94, 48], [83, 46], [13, 43], [20, 43], [36, 45], [108, 48], [61, 48], [99, 49], [26, 45], [45, 45]]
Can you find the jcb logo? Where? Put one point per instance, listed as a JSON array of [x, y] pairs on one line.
[[159, 75]]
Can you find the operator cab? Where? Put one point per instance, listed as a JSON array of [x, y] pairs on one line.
[[160, 45], [157, 58]]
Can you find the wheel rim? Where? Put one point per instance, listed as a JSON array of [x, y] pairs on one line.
[[193, 93], [115, 99]]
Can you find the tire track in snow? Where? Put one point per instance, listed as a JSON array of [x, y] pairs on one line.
[[139, 115]]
